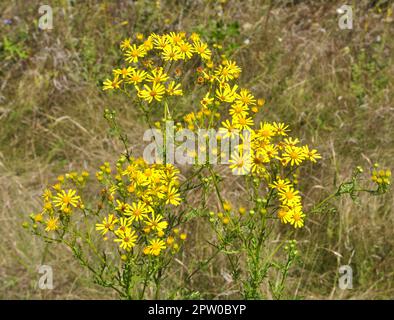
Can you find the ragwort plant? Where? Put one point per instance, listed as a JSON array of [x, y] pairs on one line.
[[129, 233]]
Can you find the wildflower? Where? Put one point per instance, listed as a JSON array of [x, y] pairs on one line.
[[280, 129], [136, 76], [311, 155], [64, 199], [158, 75], [127, 239], [280, 184], [137, 211], [133, 53], [108, 224], [52, 224], [289, 196], [174, 89], [124, 72], [155, 222], [155, 247], [297, 219], [202, 49], [124, 225], [242, 122], [240, 163], [238, 110], [112, 84], [156, 92], [172, 196], [284, 215], [183, 236], [122, 207], [226, 93], [186, 49], [171, 53], [229, 130], [294, 155], [245, 98]]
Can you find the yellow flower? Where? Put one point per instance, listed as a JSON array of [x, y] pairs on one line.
[[242, 122], [124, 225], [172, 196], [186, 49], [171, 53], [226, 93], [294, 155], [52, 224], [174, 89], [136, 76], [156, 92], [297, 218], [284, 215], [155, 247], [240, 163], [289, 196], [311, 155], [138, 211], [245, 98], [155, 222], [127, 239], [124, 72], [202, 49], [65, 199], [158, 75], [133, 53], [108, 224], [229, 130], [112, 84], [238, 110]]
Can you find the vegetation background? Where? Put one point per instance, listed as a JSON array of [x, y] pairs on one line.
[[335, 88]]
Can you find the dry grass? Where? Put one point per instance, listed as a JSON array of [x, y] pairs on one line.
[[335, 87]]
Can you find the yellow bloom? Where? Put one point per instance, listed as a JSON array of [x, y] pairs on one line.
[[52, 224], [186, 49], [155, 222], [229, 130], [108, 224], [226, 93], [171, 53], [172, 196], [138, 211], [174, 89], [240, 163], [133, 53], [202, 49], [127, 239], [156, 92], [289, 196], [124, 72], [294, 155], [65, 199], [155, 247], [112, 84], [136, 76]]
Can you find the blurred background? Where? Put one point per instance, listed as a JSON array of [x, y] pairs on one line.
[[334, 87]]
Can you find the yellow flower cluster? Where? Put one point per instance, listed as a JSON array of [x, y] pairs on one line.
[[157, 66], [136, 197], [59, 201], [381, 177], [151, 62]]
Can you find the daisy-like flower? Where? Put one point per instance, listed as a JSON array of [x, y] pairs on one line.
[[154, 222], [124, 72], [171, 53], [288, 196], [176, 38], [65, 199], [124, 225], [238, 110], [243, 123], [293, 155], [52, 224], [202, 49], [136, 76], [158, 75], [206, 101], [108, 224], [122, 207], [240, 163], [280, 184], [133, 53], [245, 98], [172, 195], [311, 155], [297, 218], [112, 84], [127, 239], [229, 129], [156, 92], [125, 44], [186, 49], [138, 211], [225, 93], [284, 215], [280, 129], [155, 247], [174, 89]]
